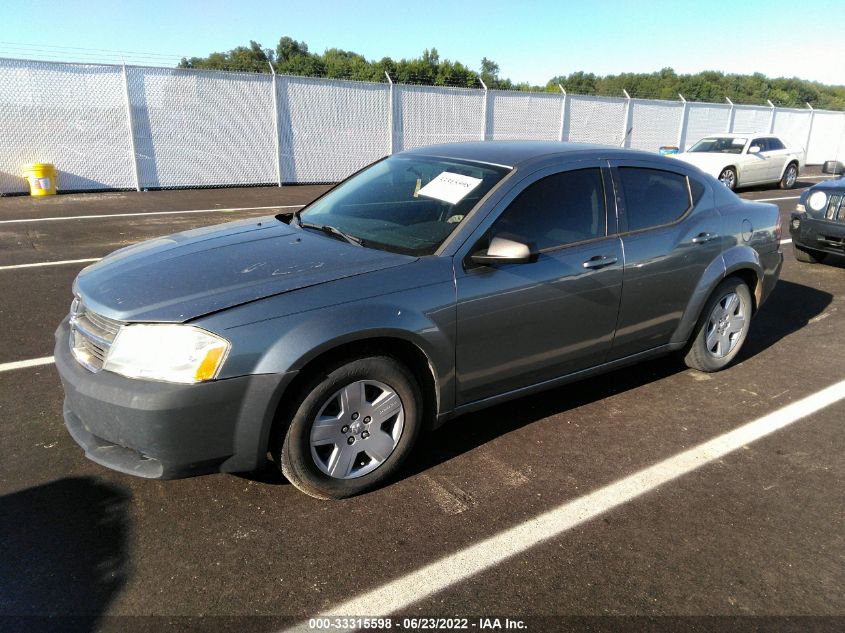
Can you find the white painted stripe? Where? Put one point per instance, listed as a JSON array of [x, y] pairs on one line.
[[772, 199], [23, 364], [58, 263], [450, 570], [128, 215], [788, 240]]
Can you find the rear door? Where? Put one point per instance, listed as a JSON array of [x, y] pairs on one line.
[[522, 324], [671, 231]]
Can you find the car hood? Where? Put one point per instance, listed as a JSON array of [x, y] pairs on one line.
[[190, 274], [712, 163], [835, 184]]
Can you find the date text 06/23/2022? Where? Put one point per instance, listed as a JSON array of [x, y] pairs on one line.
[[416, 624]]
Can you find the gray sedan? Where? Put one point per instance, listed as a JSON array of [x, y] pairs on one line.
[[434, 282]]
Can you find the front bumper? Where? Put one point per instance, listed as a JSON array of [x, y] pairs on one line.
[[163, 430], [818, 235]]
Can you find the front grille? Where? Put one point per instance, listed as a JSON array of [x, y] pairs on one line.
[[91, 335], [835, 208]]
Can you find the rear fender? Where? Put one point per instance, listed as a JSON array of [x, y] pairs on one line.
[[736, 258]]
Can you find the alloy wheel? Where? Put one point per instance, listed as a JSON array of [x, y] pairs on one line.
[[356, 429], [725, 325]]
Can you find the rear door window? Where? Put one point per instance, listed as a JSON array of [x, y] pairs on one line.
[[653, 197], [775, 144]]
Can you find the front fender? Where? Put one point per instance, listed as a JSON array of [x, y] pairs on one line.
[[285, 333], [432, 332], [739, 257]]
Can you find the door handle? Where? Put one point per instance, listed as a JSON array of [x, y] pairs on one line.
[[599, 261], [703, 238]]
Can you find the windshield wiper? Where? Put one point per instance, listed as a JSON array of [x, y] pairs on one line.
[[331, 230]]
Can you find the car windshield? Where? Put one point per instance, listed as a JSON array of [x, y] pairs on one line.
[[404, 204], [722, 145]]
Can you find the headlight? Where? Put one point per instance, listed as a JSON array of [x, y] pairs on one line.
[[174, 353], [817, 200]]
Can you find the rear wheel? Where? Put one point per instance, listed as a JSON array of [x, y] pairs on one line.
[[790, 176], [722, 328], [807, 256], [728, 178], [354, 425]]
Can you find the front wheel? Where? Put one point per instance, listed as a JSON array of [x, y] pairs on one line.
[[723, 327], [728, 178], [790, 176], [354, 425]]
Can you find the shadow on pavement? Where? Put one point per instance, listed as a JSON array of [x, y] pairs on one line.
[[64, 555], [789, 308]]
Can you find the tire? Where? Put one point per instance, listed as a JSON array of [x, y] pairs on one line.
[[701, 354], [318, 459], [790, 176], [807, 256], [728, 177]]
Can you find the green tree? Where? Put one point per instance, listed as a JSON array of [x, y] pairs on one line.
[[293, 57]]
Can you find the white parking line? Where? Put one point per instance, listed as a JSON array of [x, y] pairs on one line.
[[59, 263], [788, 240], [23, 364], [771, 199], [398, 594], [127, 215]]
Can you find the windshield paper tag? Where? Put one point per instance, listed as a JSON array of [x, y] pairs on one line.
[[449, 187], [738, 141]]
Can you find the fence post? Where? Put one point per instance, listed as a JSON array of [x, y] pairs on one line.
[[484, 109], [131, 127], [809, 131], [771, 116], [626, 129], [730, 116], [278, 141], [562, 112], [682, 128], [390, 111]]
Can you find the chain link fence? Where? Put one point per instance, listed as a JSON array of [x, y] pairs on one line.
[[133, 127]]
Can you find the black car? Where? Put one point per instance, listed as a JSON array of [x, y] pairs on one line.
[[818, 222]]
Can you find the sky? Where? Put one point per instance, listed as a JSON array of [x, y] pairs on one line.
[[531, 41]]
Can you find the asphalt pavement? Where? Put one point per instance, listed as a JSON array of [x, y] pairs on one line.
[[751, 539]]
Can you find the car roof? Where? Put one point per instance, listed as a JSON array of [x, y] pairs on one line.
[[514, 153]]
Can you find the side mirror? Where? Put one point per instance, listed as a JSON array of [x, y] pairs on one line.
[[833, 167], [754, 149], [504, 251]]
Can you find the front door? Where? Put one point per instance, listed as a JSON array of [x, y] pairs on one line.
[[756, 166], [520, 324]]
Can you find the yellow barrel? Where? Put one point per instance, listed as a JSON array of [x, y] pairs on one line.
[[42, 179]]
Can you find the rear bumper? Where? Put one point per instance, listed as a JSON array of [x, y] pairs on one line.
[[818, 235], [162, 430], [772, 264]]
